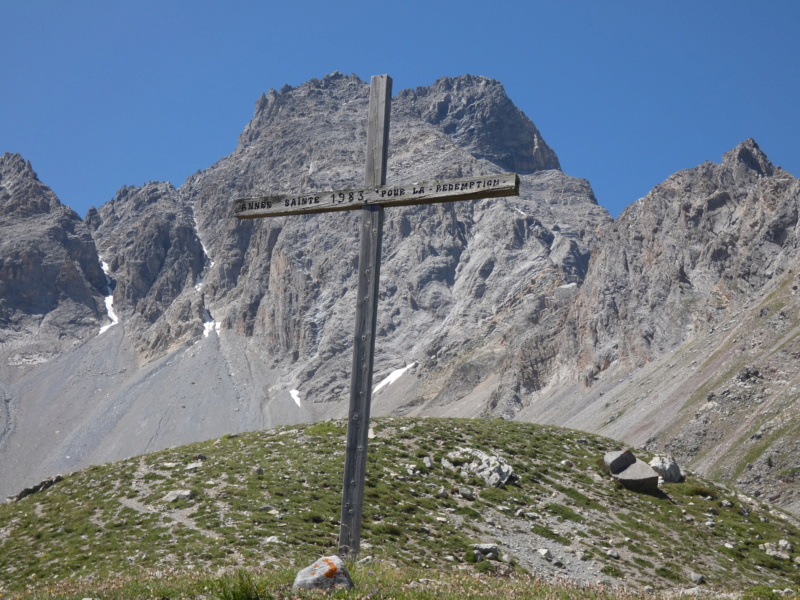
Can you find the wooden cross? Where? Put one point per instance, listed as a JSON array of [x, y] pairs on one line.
[[370, 199]]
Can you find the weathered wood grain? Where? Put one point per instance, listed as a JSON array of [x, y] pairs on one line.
[[369, 266], [448, 190]]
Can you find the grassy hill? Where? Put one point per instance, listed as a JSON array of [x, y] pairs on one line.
[[257, 507]]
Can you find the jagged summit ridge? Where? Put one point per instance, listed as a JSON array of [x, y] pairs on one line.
[[747, 155], [708, 237], [21, 192], [279, 292], [50, 278], [479, 115], [475, 111]]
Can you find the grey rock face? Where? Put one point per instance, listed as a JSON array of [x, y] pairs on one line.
[[479, 116], [275, 297], [448, 270], [675, 296], [147, 237], [50, 279], [694, 249]]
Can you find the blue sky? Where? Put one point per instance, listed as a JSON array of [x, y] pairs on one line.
[[105, 93]]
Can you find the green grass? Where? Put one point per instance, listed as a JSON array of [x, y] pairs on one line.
[[377, 581], [107, 529]]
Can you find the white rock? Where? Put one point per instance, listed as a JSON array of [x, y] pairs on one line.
[[667, 468], [176, 495]]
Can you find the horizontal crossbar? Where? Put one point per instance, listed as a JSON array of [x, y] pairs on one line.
[[426, 192]]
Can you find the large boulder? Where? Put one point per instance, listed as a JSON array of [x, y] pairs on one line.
[[327, 573], [667, 468], [639, 477], [618, 460]]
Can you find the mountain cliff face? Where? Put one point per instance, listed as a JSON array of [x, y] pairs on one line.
[[538, 307], [50, 280], [684, 327], [147, 238], [447, 270], [690, 254]]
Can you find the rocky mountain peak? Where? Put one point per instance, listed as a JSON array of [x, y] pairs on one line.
[[474, 111], [21, 192], [748, 155], [306, 100], [50, 278], [12, 163], [479, 115], [706, 238], [130, 202]]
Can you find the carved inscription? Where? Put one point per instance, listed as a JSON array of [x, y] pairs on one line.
[[468, 188]]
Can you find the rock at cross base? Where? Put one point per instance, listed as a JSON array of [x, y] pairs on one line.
[[639, 477], [326, 573], [618, 461], [667, 468]]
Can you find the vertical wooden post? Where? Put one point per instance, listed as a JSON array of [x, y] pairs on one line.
[[369, 262]]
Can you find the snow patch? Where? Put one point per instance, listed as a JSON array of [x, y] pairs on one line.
[[209, 324], [295, 396], [205, 251], [520, 212], [200, 279], [393, 376], [109, 298]]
